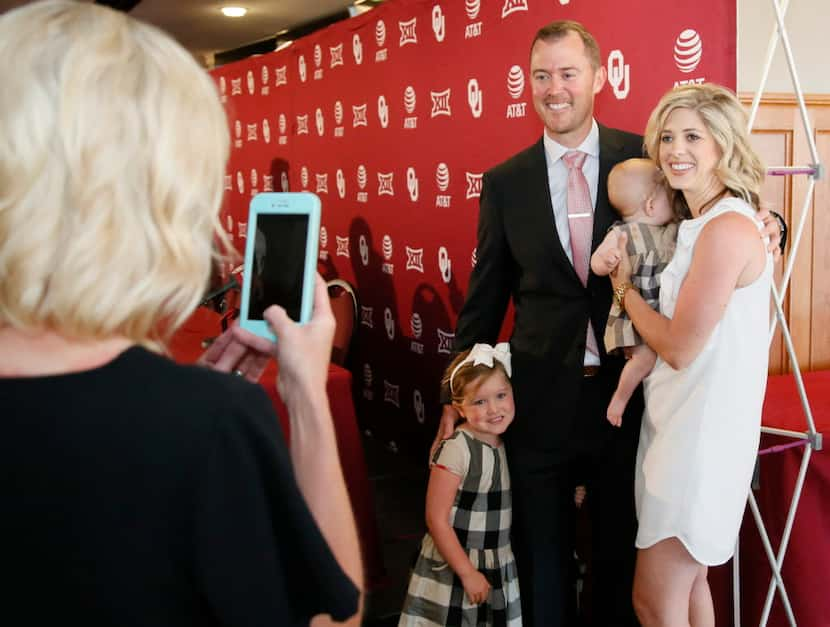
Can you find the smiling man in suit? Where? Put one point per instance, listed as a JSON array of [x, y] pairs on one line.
[[542, 212]]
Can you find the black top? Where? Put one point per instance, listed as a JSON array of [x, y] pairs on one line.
[[149, 493]]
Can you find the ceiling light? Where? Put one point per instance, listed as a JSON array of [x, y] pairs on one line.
[[234, 11]]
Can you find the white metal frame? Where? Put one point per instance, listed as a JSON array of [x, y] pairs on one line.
[[810, 438]]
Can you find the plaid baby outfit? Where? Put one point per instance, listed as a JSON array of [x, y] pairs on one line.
[[650, 248], [481, 517]]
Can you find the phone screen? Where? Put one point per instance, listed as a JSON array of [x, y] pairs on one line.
[[278, 264]]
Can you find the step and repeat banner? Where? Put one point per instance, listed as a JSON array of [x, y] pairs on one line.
[[392, 117]]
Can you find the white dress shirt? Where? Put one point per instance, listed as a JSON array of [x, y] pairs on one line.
[[558, 184]]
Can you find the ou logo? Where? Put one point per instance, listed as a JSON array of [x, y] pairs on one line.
[[302, 68], [341, 183], [383, 111], [418, 405], [357, 49], [364, 250], [389, 323]]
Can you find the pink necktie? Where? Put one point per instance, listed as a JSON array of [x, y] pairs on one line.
[[581, 224]]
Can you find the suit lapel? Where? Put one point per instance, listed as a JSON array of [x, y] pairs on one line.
[[538, 172], [610, 153]]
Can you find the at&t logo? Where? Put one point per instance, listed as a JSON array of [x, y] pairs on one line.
[[237, 131], [362, 196], [380, 39], [264, 89], [688, 50], [338, 119], [282, 124], [410, 121], [442, 180], [472, 7], [254, 182], [618, 71], [240, 182], [318, 60], [266, 131], [367, 382], [516, 87], [251, 82], [323, 254], [417, 329], [223, 88], [304, 177], [386, 247]]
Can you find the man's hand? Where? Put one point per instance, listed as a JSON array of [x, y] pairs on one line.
[[240, 351], [445, 428]]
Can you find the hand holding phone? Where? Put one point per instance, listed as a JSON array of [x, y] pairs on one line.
[[280, 258]]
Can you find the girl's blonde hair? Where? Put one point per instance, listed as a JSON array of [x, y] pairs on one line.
[[112, 158], [739, 168], [457, 381]]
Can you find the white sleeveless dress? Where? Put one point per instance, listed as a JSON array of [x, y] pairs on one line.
[[701, 427]]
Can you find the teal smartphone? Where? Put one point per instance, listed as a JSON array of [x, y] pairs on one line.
[[280, 258]]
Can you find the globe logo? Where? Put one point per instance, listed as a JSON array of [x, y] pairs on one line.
[[472, 7], [688, 49], [442, 177], [380, 33], [338, 112], [324, 237], [282, 124], [318, 55], [304, 176], [361, 176], [417, 327], [387, 247], [367, 375], [264, 74], [515, 82], [409, 99]]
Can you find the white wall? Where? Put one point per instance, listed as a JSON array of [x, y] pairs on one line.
[[808, 28]]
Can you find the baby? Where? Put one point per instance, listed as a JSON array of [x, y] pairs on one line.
[[637, 191]]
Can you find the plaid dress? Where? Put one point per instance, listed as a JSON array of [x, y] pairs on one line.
[[481, 517], [650, 249]]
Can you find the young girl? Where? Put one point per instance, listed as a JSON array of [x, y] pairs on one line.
[[465, 573]]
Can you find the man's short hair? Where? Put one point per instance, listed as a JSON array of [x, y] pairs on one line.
[[560, 28]]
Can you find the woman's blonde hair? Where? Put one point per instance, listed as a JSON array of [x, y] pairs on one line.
[[739, 168], [112, 157]]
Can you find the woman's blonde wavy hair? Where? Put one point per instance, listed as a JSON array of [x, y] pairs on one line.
[[112, 157], [739, 168]]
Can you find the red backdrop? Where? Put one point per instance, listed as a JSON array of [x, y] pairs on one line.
[[391, 118]]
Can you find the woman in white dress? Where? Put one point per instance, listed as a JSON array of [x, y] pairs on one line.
[[701, 426]]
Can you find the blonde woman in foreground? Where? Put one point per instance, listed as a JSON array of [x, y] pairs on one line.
[[701, 426], [137, 491]]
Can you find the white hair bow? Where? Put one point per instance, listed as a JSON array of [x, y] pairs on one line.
[[484, 354]]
